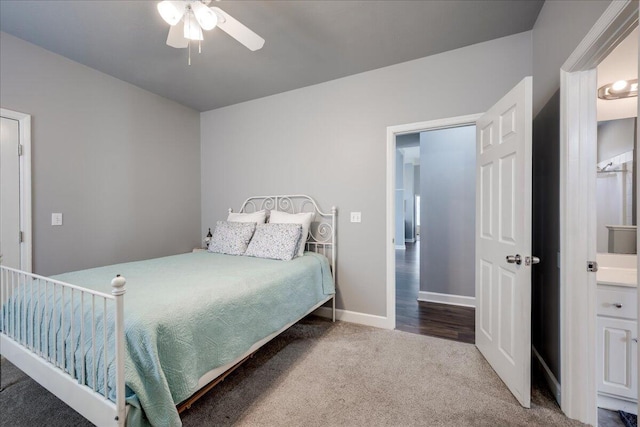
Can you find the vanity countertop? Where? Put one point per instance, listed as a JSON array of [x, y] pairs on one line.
[[617, 270], [617, 276]]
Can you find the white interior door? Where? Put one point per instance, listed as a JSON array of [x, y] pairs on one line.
[[503, 229], [9, 193]]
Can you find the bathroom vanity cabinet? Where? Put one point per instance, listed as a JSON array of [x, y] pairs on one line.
[[617, 313]]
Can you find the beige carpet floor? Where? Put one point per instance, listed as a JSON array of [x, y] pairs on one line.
[[323, 374]]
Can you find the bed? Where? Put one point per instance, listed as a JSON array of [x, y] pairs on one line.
[[188, 320]]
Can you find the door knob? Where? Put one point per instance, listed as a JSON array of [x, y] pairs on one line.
[[514, 259], [517, 259]]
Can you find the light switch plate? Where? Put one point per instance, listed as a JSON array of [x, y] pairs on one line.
[[56, 219], [356, 217]]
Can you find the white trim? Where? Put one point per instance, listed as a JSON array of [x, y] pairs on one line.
[[450, 299], [392, 132], [578, 123], [24, 126], [615, 23], [551, 380], [356, 317], [577, 242], [401, 247]]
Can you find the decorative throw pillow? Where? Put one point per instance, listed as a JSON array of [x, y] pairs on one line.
[[231, 238], [304, 219], [275, 241], [257, 217]]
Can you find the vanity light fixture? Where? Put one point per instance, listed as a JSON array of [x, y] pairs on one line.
[[619, 89]]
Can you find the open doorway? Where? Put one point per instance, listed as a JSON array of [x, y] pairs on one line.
[[616, 236], [435, 228], [579, 296]]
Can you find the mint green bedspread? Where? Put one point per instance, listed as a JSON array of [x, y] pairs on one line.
[[188, 314]]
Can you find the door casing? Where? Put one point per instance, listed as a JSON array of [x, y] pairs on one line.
[[392, 131]]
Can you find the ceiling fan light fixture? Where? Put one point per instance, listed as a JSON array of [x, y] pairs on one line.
[[192, 30], [197, 16], [171, 11], [205, 16]]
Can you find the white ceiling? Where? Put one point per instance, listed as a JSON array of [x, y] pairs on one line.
[[620, 64], [307, 42]]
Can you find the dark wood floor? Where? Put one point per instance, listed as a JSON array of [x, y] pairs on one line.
[[427, 318]]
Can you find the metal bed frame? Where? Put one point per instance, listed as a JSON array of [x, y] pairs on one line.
[[23, 347]]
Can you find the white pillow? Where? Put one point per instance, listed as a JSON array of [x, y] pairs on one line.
[[231, 238], [304, 219], [275, 241], [258, 217]]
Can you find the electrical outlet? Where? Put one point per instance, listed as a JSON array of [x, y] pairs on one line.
[[356, 217], [56, 219]]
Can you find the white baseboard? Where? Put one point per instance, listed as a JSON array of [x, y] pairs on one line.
[[355, 317], [409, 240], [402, 247], [551, 380], [447, 299]]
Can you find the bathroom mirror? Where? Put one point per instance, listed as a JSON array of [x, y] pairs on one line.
[[616, 190]]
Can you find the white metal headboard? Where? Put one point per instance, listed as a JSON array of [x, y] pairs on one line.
[[322, 233]]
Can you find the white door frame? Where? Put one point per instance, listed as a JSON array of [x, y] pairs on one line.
[[578, 133], [392, 132], [24, 129]]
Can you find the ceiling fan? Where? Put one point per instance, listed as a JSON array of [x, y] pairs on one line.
[[196, 16]]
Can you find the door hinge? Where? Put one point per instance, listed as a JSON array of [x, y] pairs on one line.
[[21, 237], [592, 266], [20, 150]]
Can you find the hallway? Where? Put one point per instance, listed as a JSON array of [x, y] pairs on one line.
[[427, 318]]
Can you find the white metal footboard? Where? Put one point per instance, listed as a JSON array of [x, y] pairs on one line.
[[39, 322]]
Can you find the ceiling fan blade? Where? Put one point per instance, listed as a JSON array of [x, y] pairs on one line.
[[238, 31], [176, 38]]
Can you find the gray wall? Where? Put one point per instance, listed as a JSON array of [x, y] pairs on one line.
[[409, 203], [560, 27], [448, 211], [120, 163], [329, 141], [408, 185]]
